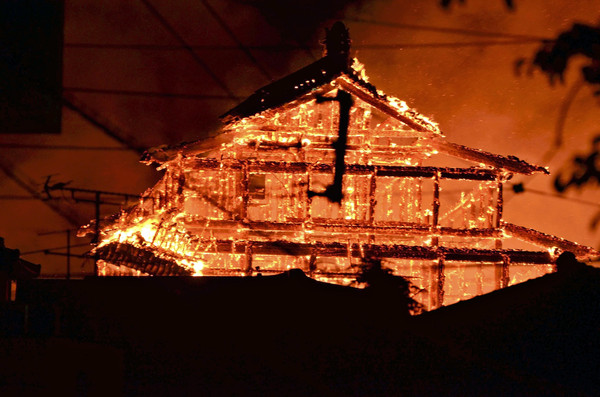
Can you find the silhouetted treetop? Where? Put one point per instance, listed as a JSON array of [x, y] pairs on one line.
[[554, 56]]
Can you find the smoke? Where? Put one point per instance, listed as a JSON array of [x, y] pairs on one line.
[[300, 20]]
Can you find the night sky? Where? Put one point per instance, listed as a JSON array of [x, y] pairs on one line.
[[157, 72]]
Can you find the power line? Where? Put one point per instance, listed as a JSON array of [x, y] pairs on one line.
[[94, 119], [190, 50], [446, 44], [162, 47], [153, 47], [55, 248], [60, 147], [240, 45], [150, 94], [465, 32], [518, 188]]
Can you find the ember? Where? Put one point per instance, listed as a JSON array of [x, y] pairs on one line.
[[257, 200]]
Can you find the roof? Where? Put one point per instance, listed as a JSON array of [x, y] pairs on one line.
[[551, 242], [290, 87], [336, 69]]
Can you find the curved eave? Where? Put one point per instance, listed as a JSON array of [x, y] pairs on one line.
[[163, 154], [356, 87], [510, 163], [548, 241], [144, 260]]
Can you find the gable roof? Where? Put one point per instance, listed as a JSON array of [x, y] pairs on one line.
[[336, 69], [332, 69], [290, 87]]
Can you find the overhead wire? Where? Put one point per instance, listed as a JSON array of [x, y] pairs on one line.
[[189, 49], [555, 195], [38, 251], [441, 29], [61, 147], [284, 47], [233, 36], [88, 90], [83, 110]]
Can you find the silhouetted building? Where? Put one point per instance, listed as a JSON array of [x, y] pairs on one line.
[[13, 268], [318, 170]]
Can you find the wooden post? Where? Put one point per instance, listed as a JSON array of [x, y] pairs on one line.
[[308, 216], [436, 207], [372, 200], [499, 203], [312, 263], [372, 203], [505, 271], [248, 252], [441, 278], [436, 199], [245, 192]]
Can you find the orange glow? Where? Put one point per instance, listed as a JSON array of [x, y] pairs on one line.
[[244, 209]]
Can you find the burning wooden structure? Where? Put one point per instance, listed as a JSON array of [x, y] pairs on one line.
[[318, 170]]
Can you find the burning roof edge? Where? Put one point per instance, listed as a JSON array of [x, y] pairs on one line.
[[334, 68], [510, 163], [290, 87], [549, 241]]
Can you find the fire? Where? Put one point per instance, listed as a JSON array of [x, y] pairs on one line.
[[243, 207]]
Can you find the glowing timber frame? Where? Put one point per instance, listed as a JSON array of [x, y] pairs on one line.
[[141, 259], [180, 237]]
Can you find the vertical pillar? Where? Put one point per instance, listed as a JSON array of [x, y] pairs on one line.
[[248, 252], [502, 273], [436, 199], [441, 278], [505, 271], [436, 207], [312, 263], [245, 192], [436, 296], [308, 216], [499, 203], [372, 203]]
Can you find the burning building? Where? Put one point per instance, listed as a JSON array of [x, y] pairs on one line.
[[318, 170]]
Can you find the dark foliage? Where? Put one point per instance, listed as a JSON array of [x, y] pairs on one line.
[[554, 56], [381, 282], [585, 170], [553, 59]]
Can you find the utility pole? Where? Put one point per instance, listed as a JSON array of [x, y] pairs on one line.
[[82, 196]]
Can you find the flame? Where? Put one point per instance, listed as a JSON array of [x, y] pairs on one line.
[[205, 208], [196, 266], [359, 69]]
